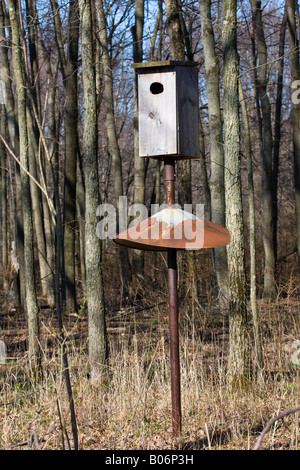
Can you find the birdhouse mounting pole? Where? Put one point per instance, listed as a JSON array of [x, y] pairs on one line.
[[168, 104], [169, 177]]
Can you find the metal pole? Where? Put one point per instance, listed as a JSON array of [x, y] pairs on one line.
[[169, 177]]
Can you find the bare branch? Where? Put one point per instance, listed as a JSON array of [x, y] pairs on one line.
[[50, 203], [270, 424]]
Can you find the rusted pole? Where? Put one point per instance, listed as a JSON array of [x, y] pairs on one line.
[[169, 177]]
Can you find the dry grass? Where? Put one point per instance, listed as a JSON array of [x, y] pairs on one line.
[[132, 408]]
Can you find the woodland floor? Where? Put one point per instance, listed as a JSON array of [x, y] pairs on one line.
[[132, 408]]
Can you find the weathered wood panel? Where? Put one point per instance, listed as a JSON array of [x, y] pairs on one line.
[[168, 111], [157, 114]]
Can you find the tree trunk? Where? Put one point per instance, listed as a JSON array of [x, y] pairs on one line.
[[94, 281], [216, 181], [158, 30], [139, 162], [36, 206], [175, 30], [31, 301], [68, 65], [71, 142], [177, 49], [277, 128], [12, 125], [113, 138], [35, 152], [32, 20], [3, 188], [238, 338], [292, 7], [252, 232], [203, 170], [267, 190], [53, 139], [80, 204]]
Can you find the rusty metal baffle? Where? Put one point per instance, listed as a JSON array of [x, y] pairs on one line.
[[169, 177]]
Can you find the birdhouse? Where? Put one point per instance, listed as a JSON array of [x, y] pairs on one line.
[[168, 109]]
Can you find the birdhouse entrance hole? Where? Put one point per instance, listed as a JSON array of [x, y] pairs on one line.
[[156, 88]]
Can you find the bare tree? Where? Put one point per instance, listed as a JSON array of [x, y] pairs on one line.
[[93, 258], [32, 70], [216, 180], [292, 9], [267, 151], [174, 22], [157, 31], [3, 192], [112, 134], [52, 169], [238, 338], [252, 232], [139, 163], [68, 66], [277, 129], [12, 125], [31, 300], [175, 30]]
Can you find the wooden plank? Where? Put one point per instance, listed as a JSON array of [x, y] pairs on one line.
[[157, 114], [163, 63]]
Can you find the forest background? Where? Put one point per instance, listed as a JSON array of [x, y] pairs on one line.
[[84, 325]]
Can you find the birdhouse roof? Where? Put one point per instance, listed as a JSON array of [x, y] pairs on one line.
[[163, 64]]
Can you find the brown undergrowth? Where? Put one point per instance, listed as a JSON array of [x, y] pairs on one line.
[[131, 409]]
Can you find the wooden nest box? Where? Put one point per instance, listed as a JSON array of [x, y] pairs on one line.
[[168, 109]]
